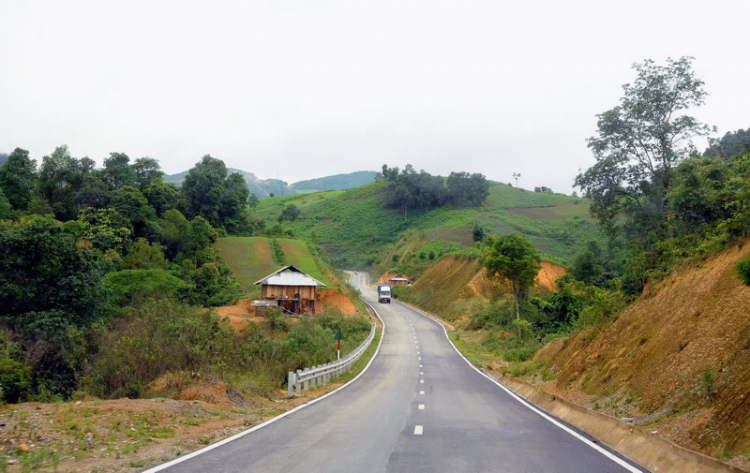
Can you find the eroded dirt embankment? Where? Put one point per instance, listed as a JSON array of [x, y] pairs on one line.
[[679, 357], [453, 282]]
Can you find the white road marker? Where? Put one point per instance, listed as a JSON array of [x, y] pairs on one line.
[[418, 429], [421, 393], [421, 381], [421, 407], [422, 373], [420, 366]]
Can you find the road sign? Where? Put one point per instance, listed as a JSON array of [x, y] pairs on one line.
[[339, 336]]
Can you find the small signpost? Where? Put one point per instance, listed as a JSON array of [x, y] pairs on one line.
[[339, 336]]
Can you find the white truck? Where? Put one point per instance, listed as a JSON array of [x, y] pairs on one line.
[[384, 293]]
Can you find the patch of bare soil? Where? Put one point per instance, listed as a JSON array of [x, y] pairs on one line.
[[680, 356], [126, 435], [334, 299]]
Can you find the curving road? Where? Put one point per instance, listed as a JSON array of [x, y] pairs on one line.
[[419, 407]]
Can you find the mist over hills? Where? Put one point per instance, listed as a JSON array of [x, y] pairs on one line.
[[263, 188]]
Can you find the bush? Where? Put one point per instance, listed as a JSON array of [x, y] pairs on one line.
[[162, 336], [743, 269], [15, 381], [131, 285]]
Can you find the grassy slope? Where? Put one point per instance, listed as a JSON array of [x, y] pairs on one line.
[[251, 259], [356, 231]]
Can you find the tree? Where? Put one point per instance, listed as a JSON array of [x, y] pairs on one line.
[[106, 229], [478, 233], [639, 142], [117, 171], [129, 202], [466, 189], [42, 269], [6, 211], [290, 213], [17, 177], [588, 266], [143, 255], [146, 170], [163, 197], [733, 143], [214, 195], [512, 258]]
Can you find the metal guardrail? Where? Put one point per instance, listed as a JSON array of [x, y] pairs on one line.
[[302, 380]]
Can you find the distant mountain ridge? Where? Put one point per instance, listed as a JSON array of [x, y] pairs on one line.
[[263, 188]]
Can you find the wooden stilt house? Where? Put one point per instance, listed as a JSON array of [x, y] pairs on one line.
[[292, 289]]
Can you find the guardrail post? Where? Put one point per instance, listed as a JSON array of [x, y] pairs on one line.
[[314, 380], [297, 383], [290, 384]]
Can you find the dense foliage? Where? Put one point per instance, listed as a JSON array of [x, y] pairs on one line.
[[78, 245], [514, 259], [659, 200], [411, 190]]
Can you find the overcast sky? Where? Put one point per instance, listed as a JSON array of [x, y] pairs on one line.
[[302, 89]]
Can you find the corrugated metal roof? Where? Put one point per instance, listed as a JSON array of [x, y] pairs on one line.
[[398, 279], [289, 276]]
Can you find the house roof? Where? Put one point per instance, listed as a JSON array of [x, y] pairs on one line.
[[289, 276], [399, 278]]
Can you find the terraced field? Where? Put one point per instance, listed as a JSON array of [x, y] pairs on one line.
[[251, 259]]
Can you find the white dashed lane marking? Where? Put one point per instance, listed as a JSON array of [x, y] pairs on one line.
[[421, 393], [418, 429]]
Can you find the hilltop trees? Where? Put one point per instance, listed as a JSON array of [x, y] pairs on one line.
[[17, 179], [512, 258], [733, 143], [640, 141], [213, 194], [412, 190]]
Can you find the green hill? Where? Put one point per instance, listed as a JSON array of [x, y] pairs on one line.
[[263, 188], [357, 231]]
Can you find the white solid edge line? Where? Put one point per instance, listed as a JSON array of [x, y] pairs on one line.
[[528, 404], [194, 454]]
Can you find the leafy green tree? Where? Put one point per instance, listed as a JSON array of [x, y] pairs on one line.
[[42, 269], [6, 211], [478, 233], [290, 213], [512, 258], [640, 141], [204, 188], [466, 189], [233, 202], [146, 170], [117, 171], [163, 197], [130, 202], [145, 255], [17, 179], [588, 266], [106, 229], [175, 232], [733, 143]]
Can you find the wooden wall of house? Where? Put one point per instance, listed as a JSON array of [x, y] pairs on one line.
[[273, 292], [398, 283]]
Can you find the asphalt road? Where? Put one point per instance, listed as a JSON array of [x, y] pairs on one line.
[[420, 407]]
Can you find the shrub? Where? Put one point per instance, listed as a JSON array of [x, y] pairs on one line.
[[743, 269], [133, 284], [15, 380]]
